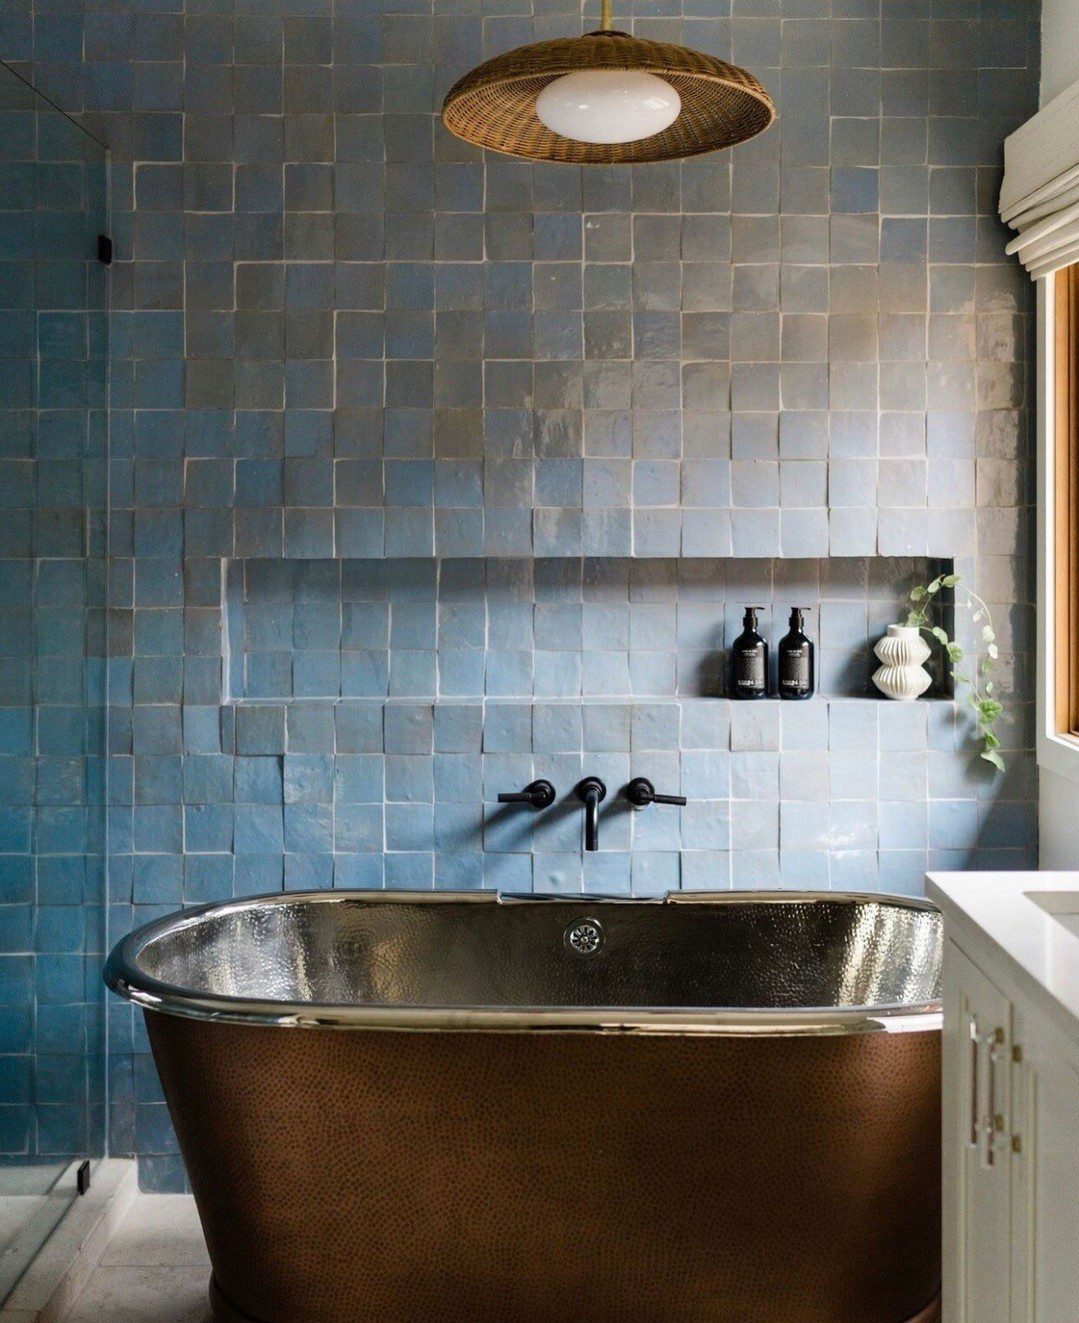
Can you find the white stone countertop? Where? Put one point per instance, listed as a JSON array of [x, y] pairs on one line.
[[1023, 927]]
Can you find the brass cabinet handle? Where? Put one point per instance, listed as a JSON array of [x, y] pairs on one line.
[[972, 1025], [994, 1123]]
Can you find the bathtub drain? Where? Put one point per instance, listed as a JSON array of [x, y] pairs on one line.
[[584, 937]]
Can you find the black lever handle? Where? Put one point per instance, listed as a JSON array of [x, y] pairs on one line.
[[641, 792], [539, 794]]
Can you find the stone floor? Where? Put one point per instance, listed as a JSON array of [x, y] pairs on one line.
[[156, 1269], [16, 1210]]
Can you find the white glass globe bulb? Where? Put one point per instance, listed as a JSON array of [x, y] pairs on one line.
[[608, 105]]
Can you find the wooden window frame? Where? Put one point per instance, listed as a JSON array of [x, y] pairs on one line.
[[1066, 499]]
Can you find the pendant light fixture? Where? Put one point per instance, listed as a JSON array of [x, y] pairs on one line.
[[606, 98]]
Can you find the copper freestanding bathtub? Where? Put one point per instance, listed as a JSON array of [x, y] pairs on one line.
[[425, 1108]]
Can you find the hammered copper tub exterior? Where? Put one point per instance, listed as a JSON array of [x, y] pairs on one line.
[[560, 1177]]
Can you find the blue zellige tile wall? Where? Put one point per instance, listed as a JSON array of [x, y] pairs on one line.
[[53, 335], [341, 334]]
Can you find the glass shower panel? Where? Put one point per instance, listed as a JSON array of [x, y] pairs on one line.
[[53, 481]]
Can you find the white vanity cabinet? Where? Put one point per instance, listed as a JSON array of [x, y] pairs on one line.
[[977, 1160], [1011, 1118], [1045, 1172]]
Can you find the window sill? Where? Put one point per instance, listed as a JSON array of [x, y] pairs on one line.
[[1059, 754]]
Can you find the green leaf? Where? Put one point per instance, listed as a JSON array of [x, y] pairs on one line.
[[991, 756], [993, 651], [991, 740], [955, 652], [934, 587], [990, 709], [917, 594], [948, 580], [987, 634], [940, 634]]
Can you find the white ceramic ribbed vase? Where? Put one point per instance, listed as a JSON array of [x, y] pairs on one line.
[[901, 673]]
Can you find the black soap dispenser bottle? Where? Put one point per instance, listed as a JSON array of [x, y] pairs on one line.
[[796, 678], [749, 660]]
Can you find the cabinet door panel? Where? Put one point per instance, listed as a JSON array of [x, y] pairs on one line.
[[977, 1047], [1046, 1175]]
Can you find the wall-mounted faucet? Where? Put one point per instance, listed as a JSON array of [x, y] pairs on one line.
[[591, 792], [537, 794], [641, 792]]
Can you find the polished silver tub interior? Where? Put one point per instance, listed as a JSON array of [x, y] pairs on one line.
[[716, 962]]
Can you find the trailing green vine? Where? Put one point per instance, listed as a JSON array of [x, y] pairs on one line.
[[978, 678]]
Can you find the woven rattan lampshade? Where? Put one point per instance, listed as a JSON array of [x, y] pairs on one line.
[[494, 106]]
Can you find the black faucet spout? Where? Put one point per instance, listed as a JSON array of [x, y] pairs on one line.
[[591, 792]]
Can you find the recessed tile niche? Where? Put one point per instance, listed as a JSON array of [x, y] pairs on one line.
[[559, 628]]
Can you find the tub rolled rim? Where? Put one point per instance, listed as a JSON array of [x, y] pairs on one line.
[[123, 976]]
